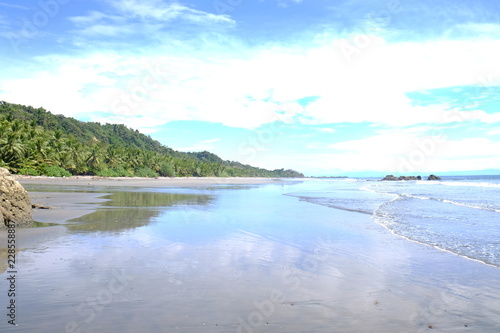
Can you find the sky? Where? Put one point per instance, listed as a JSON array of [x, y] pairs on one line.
[[328, 88]]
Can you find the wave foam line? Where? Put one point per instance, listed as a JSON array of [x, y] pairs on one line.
[[374, 216], [455, 183], [452, 202]]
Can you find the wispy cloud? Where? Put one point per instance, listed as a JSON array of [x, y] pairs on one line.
[[9, 5], [166, 11], [148, 20], [210, 141], [287, 3], [93, 17]]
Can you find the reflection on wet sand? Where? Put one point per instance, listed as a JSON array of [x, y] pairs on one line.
[[128, 210], [115, 212]]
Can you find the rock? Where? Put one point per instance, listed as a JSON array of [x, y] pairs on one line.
[[15, 205], [433, 177], [419, 178], [393, 178], [40, 206], [407, 178]]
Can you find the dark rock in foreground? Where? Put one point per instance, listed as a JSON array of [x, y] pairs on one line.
[[15, 205], [434, 177]]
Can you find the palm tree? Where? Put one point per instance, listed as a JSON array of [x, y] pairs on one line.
[[96, 157], [113, 157], [12, 150]]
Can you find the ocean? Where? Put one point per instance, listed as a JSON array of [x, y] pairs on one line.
[[459, 214]]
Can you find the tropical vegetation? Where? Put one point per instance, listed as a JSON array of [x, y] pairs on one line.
[[34, 141]]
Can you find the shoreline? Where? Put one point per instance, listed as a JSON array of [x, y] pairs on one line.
[[145, 182]]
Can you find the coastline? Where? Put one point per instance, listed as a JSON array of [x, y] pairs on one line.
[[144, 182]]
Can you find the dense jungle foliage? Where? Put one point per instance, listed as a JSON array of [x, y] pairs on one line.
[[34, 141]]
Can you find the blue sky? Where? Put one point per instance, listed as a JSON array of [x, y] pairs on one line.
[[323, 87]]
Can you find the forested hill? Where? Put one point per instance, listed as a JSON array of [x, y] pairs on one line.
[[34, 141]]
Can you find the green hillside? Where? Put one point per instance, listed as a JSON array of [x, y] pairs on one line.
[[34, 141]]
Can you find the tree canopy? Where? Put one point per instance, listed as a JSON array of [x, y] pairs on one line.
[[34, 141]]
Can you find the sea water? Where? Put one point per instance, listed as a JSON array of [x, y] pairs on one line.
[[457, 214]]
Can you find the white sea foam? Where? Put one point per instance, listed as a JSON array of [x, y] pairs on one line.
[[416, 197], [381, 219], [469, 205], [458, 183]]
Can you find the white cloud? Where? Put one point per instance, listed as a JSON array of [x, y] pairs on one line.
[[107, 30], [211, 140], [94, 17], [252, 91], [9, 5], [480, 115], [317, 146], [410, 151], [166, 11], [286, 3], [374, 85], [148, 18], [363, 160], [476, 30], [326, 130], [493, 132]]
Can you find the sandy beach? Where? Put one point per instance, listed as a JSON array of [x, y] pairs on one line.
[[183, 255], [142, 182]]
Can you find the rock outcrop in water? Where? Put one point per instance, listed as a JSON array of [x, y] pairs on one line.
[[433, 177], [393, 178], [15, 205]]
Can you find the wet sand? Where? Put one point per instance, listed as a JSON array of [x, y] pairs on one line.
[[235, 259], [61, 207]]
